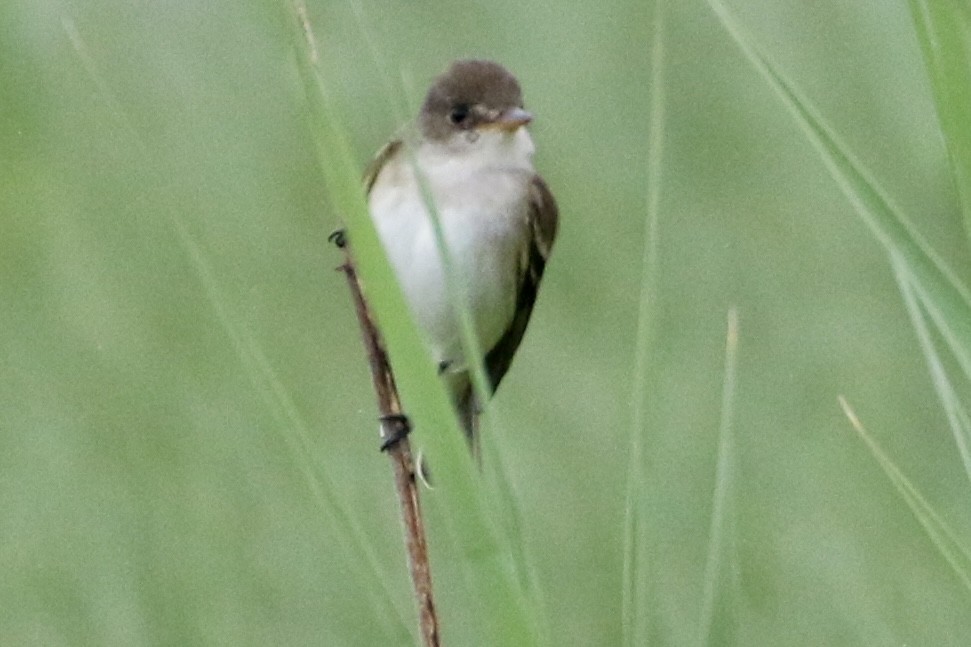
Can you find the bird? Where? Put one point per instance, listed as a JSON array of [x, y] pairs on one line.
[[470, 154]]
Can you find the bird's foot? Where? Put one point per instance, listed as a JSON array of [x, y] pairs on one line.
[[338, 237], [400, 430]]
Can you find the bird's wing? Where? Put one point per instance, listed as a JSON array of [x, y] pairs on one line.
[[542, 220], [388, 151]]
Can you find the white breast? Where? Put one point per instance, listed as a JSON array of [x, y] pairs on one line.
[[480, 191]]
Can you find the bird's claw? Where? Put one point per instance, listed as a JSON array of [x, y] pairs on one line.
[[402, 427], [338, 237]]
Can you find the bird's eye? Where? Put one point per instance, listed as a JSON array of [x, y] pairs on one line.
[[459, 114]]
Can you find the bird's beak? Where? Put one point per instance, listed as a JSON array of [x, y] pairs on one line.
[[512, 119]]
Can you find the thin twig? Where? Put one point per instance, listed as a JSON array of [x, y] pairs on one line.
[[394, 431]]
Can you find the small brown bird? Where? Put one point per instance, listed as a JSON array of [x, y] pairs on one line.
[[499, 220]]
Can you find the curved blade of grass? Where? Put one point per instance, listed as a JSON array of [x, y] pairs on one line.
[[257, 367], [295, 433], [503, 506], [957, 415], [944, 32], [637, 605], [717, 601], [940, 534], [488, 567], [342, 179], [500, 502], [947, 301]]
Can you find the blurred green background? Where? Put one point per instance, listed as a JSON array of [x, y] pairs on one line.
[[161, 208]]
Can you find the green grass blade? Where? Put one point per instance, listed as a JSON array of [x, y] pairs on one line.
[[297, 437], [258, 369], [488, 567], [957, 415], [499, 501], [716, 625], [941, 535], [944, 32], [342, 178], [637, 606], [945, 297], [503, 505]]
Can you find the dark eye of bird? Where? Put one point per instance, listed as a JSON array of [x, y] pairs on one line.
[[459, 114]]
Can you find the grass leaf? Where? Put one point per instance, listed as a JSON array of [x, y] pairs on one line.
[[637, 606], [945, 297], [716, 625], [944, 31], [942, 537], [488, 565], [258, 369], [957, 414]]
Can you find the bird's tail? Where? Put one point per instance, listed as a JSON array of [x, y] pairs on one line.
[[467, 405]]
